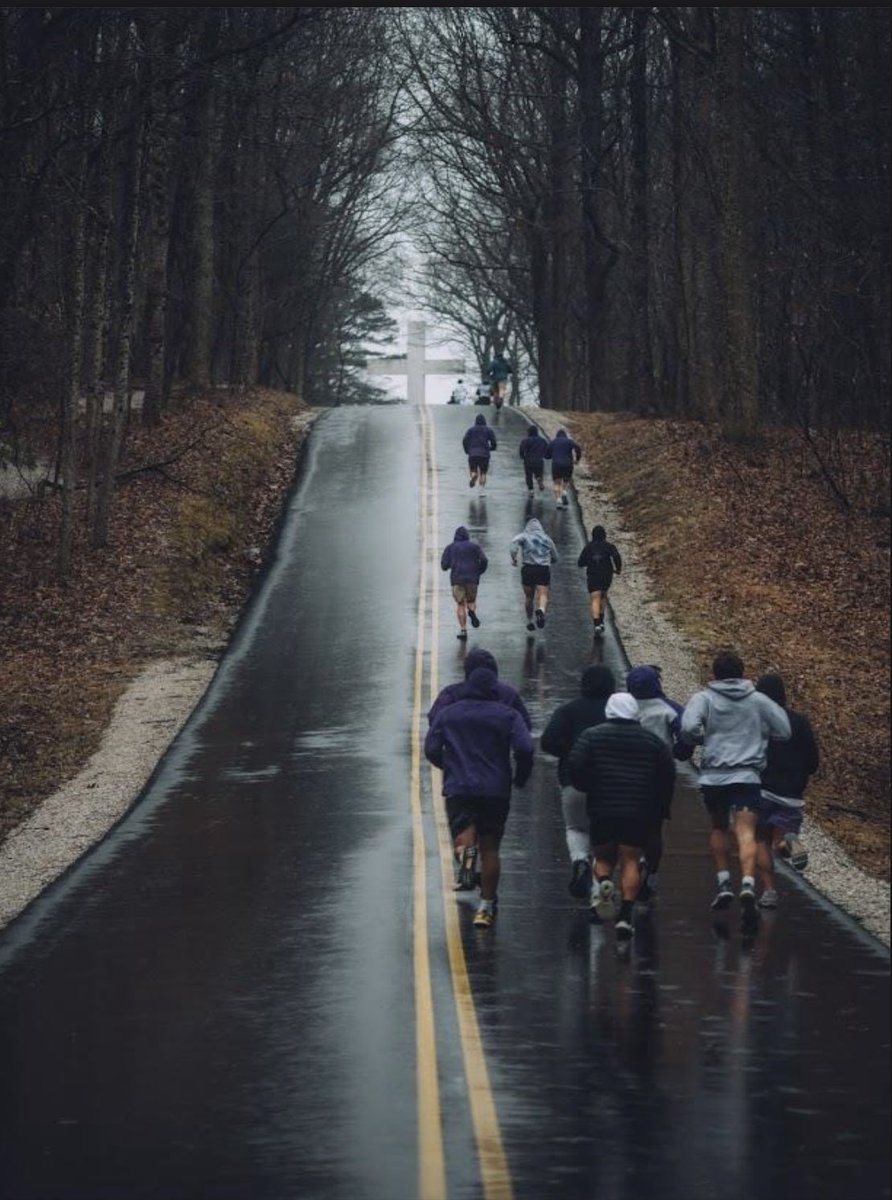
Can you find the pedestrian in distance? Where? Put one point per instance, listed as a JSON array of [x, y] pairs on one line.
[[459, 394], [479, 441], [473, 741], [465, 561], [788, 768], [627, 774], [564, 454], [662, 717], [558, 738], [497, 374], [602, 561], [483, 393], [532, 453], [536, 552], [734, 725]]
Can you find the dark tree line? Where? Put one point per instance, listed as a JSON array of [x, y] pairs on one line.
[[190, 197], [681, 211]]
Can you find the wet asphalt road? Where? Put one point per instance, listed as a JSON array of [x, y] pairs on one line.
[[220, 1001]]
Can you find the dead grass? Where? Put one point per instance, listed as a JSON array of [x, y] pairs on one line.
[[750, 549]]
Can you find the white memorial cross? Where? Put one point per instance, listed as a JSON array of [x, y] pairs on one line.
[[415, 366]]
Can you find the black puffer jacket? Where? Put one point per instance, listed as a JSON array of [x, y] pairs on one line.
[[624, 770]]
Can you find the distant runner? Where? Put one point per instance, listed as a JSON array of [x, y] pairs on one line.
[[497, 373], [601, 560], [537, 552], [478, 441], [482, 394], [532, 453], [466, 562], [472, 741], [564, 454], [459, 394]]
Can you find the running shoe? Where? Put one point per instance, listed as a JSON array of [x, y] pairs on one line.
[[473, 618], [462, 634], [484, 918], [724, 897], [602, 899], [540, 618], [623, 929], [471, 482], [747, 897], [467, 869], [531, 628], [796, 852], [768, 899], [599, 629], [565, 501], [580, 884]]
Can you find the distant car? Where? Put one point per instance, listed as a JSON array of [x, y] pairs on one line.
[[483, 394]]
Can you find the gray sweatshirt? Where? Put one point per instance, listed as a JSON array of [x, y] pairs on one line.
[[534, 545], [734, 723]]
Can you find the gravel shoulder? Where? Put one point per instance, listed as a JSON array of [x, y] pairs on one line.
[[156, 706]]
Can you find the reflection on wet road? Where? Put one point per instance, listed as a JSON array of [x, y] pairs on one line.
[[222, 1000]]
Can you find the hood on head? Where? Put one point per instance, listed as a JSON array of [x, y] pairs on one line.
[[732, 689], [534, 526], [644, 683], [461, 534], [621, 707], [482, 684], [599, 533], [772, 686], [560, 433], [478, 657], [480, 419], [597, 681]]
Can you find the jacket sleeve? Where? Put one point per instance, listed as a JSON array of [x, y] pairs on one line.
[[578, 762], [552, 550], [582, 561], [548, 450], [521, 451], [433, 743], [493, 444], [617, 560], [522, 744], [521, 708], [554, 739], [693, 719], [514, 546], [777, 721], [482, 560], [446, 559], [666, 785], [464, 442], [577, 450]]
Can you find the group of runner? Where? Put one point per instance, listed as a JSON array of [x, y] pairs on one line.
[[492, 389], [616, 752], [532, 549]]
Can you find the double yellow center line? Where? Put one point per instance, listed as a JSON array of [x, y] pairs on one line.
[[432, 1183]]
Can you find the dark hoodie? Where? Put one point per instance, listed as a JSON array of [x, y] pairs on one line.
[[563, 451], [789, 764], [472, 741], [567, 722], [600, 559], [463, 558], [505, 693], [479, 439], [532, 449]]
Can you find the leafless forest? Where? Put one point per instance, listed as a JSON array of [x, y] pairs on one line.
[[677, 211]]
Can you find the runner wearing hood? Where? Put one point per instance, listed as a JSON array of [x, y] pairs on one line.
[[466, 562], [600, 559], [532, 453], [505, 693], [788, 768], [558, 737], [662, 717], [734, 724], [478, 441], [627, 774], [537, 552], [564, 454], [472, 741], [497, 373]]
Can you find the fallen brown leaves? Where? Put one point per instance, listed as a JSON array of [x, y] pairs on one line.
[[749, 548], [67, 651]]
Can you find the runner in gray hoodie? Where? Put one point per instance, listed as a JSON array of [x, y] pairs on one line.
[[537, 552], [733, 723]]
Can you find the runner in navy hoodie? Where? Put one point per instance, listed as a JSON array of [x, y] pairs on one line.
[[532, 452], [472, 742], [564, 454], [477, 443], [465, 561]]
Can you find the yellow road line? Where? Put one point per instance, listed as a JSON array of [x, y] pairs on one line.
[[494, 1172], [431, 1165]]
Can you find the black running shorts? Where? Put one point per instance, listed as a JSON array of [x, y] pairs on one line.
[[478, 462], [487, 814], [535, 576], [619, 831], [561, 472]]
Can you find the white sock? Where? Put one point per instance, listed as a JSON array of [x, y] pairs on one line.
[[748, 881], [577, 844], [724, 877], [485, 906]]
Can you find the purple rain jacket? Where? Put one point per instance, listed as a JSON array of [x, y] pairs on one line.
[[505, 693], [464, 558], [533, 449], [472, 741], [563, 451], [479, 439]]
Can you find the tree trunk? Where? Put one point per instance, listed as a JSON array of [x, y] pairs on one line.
[[72, 390], [641, 367], [157, 194]]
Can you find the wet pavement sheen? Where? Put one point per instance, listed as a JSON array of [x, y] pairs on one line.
[[218, 1001]]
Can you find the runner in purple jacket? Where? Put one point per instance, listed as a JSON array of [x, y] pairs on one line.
[[465, 561], [472, 741], [564, 454], [477, 443]]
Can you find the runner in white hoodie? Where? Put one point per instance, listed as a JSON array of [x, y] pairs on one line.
[[537, 552], [733, 723]]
